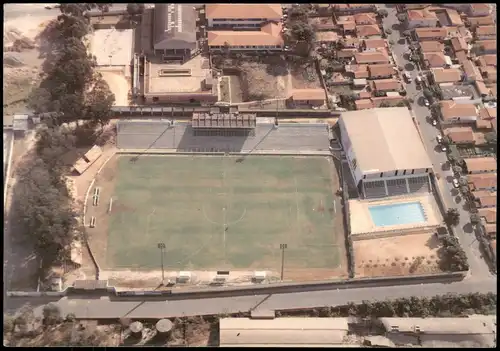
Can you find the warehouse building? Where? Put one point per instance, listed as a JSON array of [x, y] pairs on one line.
[[385, 153]]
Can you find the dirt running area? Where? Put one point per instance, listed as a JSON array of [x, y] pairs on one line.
[[305, 76], [395, 256], [119, 85]]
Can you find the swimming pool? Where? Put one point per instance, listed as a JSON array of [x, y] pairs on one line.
[[397, 214]]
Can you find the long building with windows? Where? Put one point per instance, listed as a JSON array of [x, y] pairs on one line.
[[241, 16], [385, 153]]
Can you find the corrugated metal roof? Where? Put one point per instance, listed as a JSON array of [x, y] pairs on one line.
[[436, 325], [280, 331], [174, 26]]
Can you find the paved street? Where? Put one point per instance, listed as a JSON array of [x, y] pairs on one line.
[[479, 268], [106, 307]]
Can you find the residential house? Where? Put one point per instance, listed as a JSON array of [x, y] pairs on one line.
[[363, 104], [471, 72], [459, 44], [406, 7], [486, 199], [435, 60], [487, 60], [346, 53], [367, 31], [365, 19], [460, 135], [448, 75], [268, 38], [372, 57], [453, 17], [452, 31], [486, 47], [391, 100], [423, 34], [421, 18], [478, 165], [487, 93], [451, 112], [484, 181], [326, 37], [488, 214], [487, 116], [358, 71], [324, 9], [312, 97], [385, 85], [380, 71], [485, 32], [459, 7], [431, 46], [489, 74], [232, 16], [321, 24], [465, 33], [364, 95], [373, 44], [461, 56], [354, 8], [478, 10], [488, 113], [480, 21]]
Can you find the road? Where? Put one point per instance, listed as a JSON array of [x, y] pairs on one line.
[[478, 267], [101, 307]]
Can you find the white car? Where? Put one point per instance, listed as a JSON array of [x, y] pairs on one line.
[[407, 77], [455, 182], [426, 103], [439, 139], [443, 148], [434, 122]]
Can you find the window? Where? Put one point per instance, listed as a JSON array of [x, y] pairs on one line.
[[364, 177], [381, 174], [156, 98], [404, 172], [412, 171], [396, 173], [427, 170], [354, 163]]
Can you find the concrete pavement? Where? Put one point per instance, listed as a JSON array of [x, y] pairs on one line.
[[102, 307], [478, 267]]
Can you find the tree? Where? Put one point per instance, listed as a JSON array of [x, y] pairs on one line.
[[384, 104], [427, 93], [382, 13], [475, 219], [463, 181], [452, 217], [400, 104], [388, 31], [491, 138], [298, 13], [452, 159], [100, 100], [457, 169], [446, 140], [401, 17], [51, 314], [134, 9], [452, 256], [302, 31]]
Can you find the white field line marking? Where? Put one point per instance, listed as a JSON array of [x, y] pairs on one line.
[[334, 206], [297, 203]]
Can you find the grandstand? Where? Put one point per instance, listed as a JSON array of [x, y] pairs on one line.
[[385, 153]]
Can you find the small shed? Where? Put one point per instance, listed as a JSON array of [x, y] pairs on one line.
[[359, 82]]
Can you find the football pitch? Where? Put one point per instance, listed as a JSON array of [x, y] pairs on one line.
[[222, 213]]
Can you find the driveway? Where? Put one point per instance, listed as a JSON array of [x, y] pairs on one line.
[[479, 268]]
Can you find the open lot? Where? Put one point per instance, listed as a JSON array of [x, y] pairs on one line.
[[219, 213], [401, 255], [305, 76], [267, 80]]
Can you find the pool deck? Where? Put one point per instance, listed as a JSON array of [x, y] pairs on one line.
[[362, 223]]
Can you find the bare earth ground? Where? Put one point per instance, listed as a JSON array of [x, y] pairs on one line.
[[395, 255], [265, 80], [180, 195], [119, 85], [300, 78]]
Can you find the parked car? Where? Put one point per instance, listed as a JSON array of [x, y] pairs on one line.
[[426, 103], [434, 122], [456, 184], [439, 139], [407, 77], [444, 148]]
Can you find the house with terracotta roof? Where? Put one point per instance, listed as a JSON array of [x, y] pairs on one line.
[[489, 74], [465, 33], [452, 112], [365, 18], [484, 181], [309, 97], [372, 57], [435, 60], [431, 46], [374, 44], [454, 17], [353, 8], [459, 44], [358, 71], [366, 31], [477, 165], [460, 135], [388, 101], [479, 10], [489, 215], [486, 47], [471, 72], [363, 104], [480, 21], [485, 199], [381, 71], [423, 34], [486, 92], [485, 32], [421, 18], [268, 38], [446, 75], [487, 60], [240, 16], [385, 85]]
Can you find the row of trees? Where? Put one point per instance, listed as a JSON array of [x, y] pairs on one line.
[[300, 32], [452, 257], [70, 91]]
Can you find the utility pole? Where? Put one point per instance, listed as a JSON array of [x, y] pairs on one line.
[[282, 247], [162, 246]]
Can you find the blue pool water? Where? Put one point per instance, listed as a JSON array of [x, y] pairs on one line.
[[397, 214]]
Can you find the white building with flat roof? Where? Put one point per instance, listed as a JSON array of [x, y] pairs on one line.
[[385, 152]]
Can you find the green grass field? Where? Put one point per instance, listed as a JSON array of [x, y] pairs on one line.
[[215, 212]]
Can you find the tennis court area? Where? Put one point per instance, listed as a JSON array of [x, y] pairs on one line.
[[220, 213]]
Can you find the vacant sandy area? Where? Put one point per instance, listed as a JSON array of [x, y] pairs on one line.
[[119, 85], [396, 255]]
